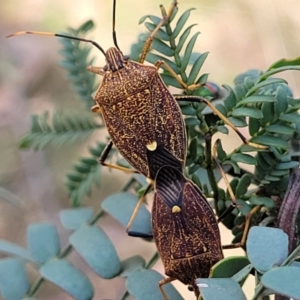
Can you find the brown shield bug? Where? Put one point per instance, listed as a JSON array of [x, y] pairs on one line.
[[184, 226], [138, 109]]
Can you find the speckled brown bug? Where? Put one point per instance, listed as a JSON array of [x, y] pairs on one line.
[[138, 109], [184, 226]]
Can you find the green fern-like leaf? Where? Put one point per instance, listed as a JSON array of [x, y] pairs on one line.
[[75, 60], [62, 128], [169, 44], [86, 173]]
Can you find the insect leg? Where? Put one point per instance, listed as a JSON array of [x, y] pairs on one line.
[[135, 212], [96, 109], [161, 283], [104, 156], [149, 40], [233, 205], [230, 191], [246, 230], [193, 86], [96, 70], [221, 116]]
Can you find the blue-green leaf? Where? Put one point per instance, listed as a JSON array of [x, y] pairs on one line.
[[223, 129], [220, 151], [170, 80], [243, 158], [73, 218], [243, 207], [243, 184], [181, 22], [268, 157], [188, 110], [292, 118], [162, 47], [242, 275], [204, 91], [86, 26], [183, 38], [238, 121], [282, 101], [260, 241], [197, 65], [143, 285], [254, 126], [222, 109], [269, 112], [287, 165], [256, 99], [240, 91], [267, 82], [230, 100], [247, 112], [188, 51], [153, 58], [121, 206], [281, 129], [132, 264], [229, 266], [235, 166], [14, 283], [66, 276], [279, 173], [220, 289], [284, 281], [270, 140], [192, 122], [268, 202], [285, 63], [13, 249], [43, 241], [97, 250], [271, 178], [161, 34]]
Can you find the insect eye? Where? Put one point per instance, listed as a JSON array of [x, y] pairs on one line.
[[105, 68], [126, 57]]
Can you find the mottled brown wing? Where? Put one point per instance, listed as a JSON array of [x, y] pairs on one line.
[[187, 240], [127, 108], [138, 109], [169, 123]]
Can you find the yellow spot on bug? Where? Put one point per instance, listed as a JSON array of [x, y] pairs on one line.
[[176, 209], [152, 146], [149, 180]]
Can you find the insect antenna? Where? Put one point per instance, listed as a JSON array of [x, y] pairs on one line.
[[114, 26], [59, 35]]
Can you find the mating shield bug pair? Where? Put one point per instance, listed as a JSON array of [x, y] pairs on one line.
[[145, 123]]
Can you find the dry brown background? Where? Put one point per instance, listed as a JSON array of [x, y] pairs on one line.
[[239, 34]]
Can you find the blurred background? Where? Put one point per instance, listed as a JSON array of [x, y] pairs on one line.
[[239, 34]]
